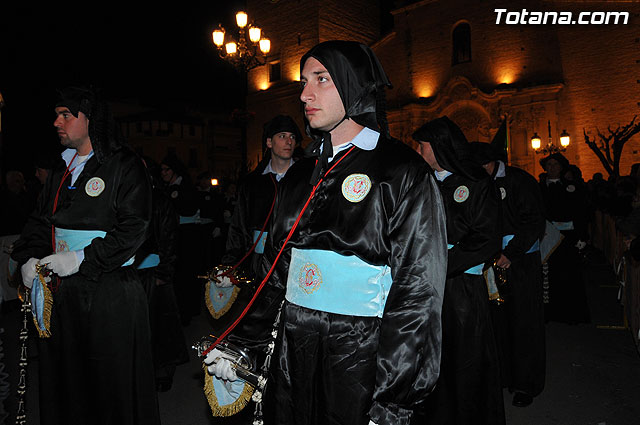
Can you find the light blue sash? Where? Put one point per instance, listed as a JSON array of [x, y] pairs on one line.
[[507, 238], [260, 245], [75, 240], [563, 225], [149, 261], [327, 281], [189, 220], [477, 270]]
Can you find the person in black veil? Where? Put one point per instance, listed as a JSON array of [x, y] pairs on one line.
[[156, 262], [364, 269], [469, 389], [93, 213], [519, 321], [566, 208]]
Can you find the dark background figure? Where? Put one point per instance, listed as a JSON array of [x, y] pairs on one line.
[[183, 195], [519, 321], [156, 262], [469, 390], [565, 207], [211, 206], [16, 203]]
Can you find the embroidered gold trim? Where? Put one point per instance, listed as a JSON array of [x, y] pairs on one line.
[[223, 311], [229, 409]]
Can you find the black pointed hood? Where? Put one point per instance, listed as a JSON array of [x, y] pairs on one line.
[[450, 148]]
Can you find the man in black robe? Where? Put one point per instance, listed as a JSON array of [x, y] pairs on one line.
[[93, 212], [364, 267], [519, 322], [468, 390], [566, 208], [257, 191], [183, 194]]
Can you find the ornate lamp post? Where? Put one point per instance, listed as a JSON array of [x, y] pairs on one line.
[[244, 54], [551, 148]]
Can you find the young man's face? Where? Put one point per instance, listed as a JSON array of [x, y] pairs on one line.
[[281, 144], [553, 169], [322, 104], [489, 167], [73, 132], [426, 151], [166, 173]]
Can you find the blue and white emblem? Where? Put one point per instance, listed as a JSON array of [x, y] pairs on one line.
[[309, 277], [356, 187], [94, 186], [461, 194]]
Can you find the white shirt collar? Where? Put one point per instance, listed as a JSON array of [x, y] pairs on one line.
[[268, 169], [366, 139], [441, 175], [501, 170]]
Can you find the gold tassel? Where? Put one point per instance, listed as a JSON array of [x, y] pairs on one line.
[[48, 306], [230, 409], [223, 311]]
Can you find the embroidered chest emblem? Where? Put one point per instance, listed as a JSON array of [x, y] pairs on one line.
[[309, 277], [356, 187], [61, 246], [94, 186], [174, 194], [461, 194], [571, 188], [503, 193]]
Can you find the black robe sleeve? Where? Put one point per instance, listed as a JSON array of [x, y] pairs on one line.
[[410, 334], [165, 227], [473, 224], [131, 218], [523, 212]]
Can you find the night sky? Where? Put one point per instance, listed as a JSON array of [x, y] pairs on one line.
[[157, 55]]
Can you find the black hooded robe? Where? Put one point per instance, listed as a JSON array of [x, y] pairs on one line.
[[341, 369], [469, 389], [565, 202], [96, 367], [519, 322], [169, 348]]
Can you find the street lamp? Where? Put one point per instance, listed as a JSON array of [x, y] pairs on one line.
[[244, 54], [536, 142]]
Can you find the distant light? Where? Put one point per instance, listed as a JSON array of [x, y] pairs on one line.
[[265, 45], [565, 139], [535, 141], [241, 19], [231, 48], [218, 37], [214, 182], [254, 34]]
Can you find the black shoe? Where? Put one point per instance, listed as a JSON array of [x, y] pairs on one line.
[[521, 399]]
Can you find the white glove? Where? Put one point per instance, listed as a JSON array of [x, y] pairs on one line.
[[219, 365], [580, 245], [223, 281], [372, 423], [28, 270], [63, 263], [216, 232]]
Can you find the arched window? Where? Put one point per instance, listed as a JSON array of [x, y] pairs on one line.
[[461, 44]]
